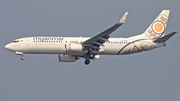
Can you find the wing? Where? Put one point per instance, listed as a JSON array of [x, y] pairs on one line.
[[98, 40]]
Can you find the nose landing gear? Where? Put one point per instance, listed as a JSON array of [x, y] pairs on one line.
[[20, 53], [22, 58]]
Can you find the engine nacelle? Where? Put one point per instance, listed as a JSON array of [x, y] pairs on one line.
[[66, 58], [73, 47]]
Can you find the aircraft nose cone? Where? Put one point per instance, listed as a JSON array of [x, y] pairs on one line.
[[8, 46]]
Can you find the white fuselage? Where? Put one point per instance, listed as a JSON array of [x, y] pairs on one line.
[[74, 48], [56, 45]]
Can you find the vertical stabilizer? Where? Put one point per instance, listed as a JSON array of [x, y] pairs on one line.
[[157, 28]]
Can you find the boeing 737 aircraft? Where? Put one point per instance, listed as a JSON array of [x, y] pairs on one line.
[[69, 49]]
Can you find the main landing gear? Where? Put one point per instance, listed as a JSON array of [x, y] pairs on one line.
[[88, 56], [87, 61]]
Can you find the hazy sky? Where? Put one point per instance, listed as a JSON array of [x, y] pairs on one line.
[[148, 76]]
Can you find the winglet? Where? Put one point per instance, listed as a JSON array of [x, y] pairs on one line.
[[165, 38], [123, 18]]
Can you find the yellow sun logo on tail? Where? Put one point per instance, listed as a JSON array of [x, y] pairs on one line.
[[158, 27]]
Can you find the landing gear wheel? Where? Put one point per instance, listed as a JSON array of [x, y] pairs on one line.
[[87, 61], [22, 58], [91, 55]]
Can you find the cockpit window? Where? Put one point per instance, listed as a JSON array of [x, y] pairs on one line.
[[16, 41]]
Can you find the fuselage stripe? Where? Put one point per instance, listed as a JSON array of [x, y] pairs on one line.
[[129, 44]]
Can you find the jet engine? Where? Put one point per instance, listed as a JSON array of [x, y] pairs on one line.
[[73, 47], [66, 58]]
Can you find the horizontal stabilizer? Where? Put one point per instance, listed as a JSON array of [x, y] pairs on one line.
[[165, 38]]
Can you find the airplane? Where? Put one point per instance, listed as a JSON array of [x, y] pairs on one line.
[[70, 49]]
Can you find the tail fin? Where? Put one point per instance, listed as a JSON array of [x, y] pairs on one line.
[[157, 28]]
